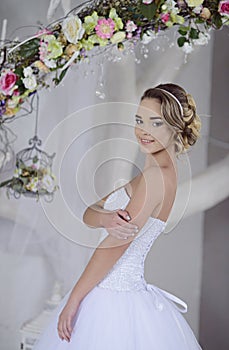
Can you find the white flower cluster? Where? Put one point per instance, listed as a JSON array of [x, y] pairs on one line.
[[171, 6], [35, 184], [148, 36], [202, 40], [30, 80]]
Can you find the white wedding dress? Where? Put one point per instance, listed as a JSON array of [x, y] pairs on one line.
[[123, 311]]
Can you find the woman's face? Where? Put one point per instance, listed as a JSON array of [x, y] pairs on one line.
[[149, 125]]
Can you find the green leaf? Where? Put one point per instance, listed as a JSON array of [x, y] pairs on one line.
[[62, 74], [148, 11], [24, 180], [183, 30], [29, 49], [181, 40], [217, 20], [35, 159], [194, 33], [19, 71], [199, 20]]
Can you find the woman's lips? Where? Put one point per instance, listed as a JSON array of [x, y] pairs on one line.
[[146, 142]]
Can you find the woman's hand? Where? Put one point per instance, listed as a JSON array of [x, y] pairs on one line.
[[64, 326], [117, 225]]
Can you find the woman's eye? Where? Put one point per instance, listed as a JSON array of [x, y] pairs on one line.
[[138, 121], [157, 123]]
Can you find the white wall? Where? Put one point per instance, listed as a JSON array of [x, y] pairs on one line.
[[175, 262]]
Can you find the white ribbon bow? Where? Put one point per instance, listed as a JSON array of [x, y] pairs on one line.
[[169, 296]]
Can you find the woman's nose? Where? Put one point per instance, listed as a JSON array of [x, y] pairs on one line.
[[145, 132]]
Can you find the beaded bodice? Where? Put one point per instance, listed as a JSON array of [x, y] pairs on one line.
[[128, 272]]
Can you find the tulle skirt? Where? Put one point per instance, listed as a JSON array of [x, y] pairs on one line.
[[122, 320]]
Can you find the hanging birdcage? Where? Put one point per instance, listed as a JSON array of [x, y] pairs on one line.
[[33, 175]]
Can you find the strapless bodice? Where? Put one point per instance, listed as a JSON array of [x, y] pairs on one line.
[[127, 274], [128, 271]]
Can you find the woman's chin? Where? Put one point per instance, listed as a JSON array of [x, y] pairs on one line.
[[146, 150]]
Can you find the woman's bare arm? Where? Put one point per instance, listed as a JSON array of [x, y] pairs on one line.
[[102, 260], [94, 215], [111, 249], [100, 263]]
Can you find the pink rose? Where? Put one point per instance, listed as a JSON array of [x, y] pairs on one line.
[[165, 17], [16, 92], [7, 82], [224, 8]]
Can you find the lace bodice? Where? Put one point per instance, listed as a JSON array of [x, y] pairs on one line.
[[128, 271]]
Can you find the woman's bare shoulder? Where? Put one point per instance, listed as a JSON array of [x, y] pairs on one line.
[[146, 175], [154, 177], [130, 187]]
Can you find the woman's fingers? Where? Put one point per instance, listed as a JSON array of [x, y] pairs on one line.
[[120, 228], [121, 235], [60, 331], [123, 218], [124, 214], [69, 326], [127, 227], [64, 330]]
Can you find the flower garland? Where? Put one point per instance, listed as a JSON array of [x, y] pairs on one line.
[[25, 66]]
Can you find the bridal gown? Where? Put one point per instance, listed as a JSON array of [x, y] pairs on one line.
[[123, 311]]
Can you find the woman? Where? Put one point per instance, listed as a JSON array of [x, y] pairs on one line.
[[111, 306]]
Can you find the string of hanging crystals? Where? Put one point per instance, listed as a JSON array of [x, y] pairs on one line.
[[7, 156]]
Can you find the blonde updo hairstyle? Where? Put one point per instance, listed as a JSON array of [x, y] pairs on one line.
[[187, 126]]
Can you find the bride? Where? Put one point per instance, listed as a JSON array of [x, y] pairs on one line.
[[112, 306]]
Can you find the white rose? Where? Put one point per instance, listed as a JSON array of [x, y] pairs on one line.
[[73, 29], [49, 63], [27, 72], [197, 9], [32, 185], [203, 39], [171, 6], [13, 102], [187, 48], [148, 37], [30, 82]]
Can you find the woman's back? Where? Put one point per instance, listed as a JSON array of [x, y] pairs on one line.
[[167, 186]]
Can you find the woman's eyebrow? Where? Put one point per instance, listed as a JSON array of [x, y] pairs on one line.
[[138, 116]]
